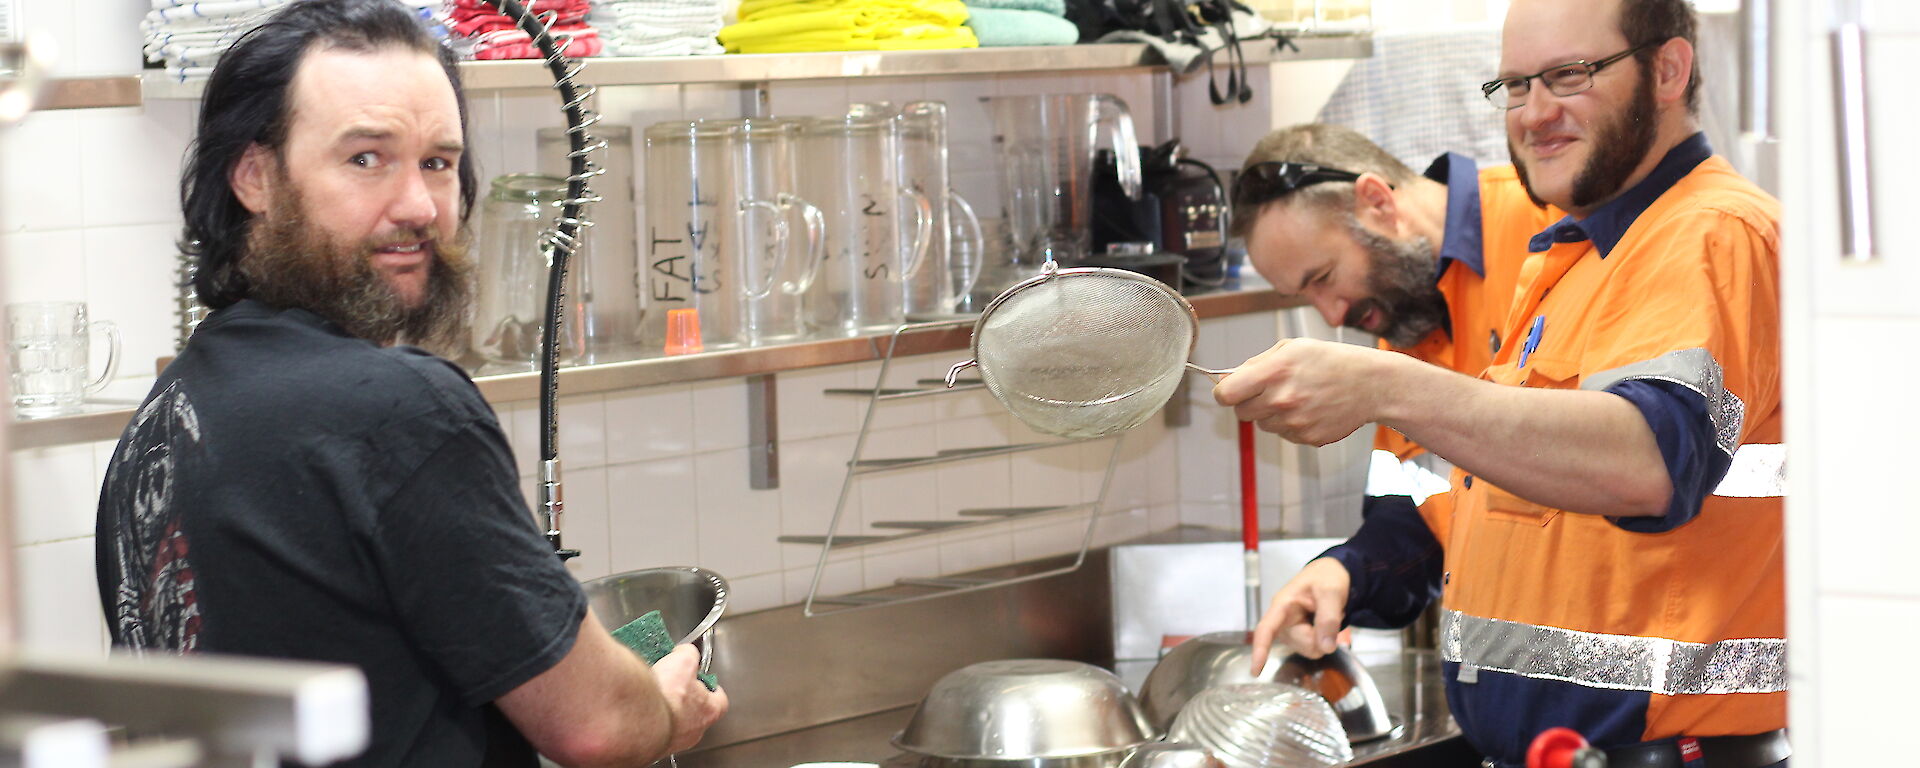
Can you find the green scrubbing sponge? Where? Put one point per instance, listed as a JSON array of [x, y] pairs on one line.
[[648, 637]]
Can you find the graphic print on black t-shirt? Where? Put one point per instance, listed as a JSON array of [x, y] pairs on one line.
[[155, 607]]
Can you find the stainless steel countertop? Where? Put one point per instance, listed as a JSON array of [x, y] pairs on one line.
[[1409, 682]]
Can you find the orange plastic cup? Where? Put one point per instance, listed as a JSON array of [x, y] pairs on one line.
[[683, 332]]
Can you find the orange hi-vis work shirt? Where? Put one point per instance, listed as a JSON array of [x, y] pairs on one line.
[[1481, 250], [1636, 629]]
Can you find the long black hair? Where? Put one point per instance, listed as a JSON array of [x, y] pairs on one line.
[[245, 103]]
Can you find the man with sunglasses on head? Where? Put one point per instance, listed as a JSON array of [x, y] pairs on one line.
[[1613, 558]]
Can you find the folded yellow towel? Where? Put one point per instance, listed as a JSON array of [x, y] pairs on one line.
[[789, 26]]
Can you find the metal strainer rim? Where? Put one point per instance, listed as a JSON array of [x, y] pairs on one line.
[[1193, 319]]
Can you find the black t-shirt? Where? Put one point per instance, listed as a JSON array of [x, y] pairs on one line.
[[290, 491]]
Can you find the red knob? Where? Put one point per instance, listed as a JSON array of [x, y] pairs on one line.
[[1563, 748]]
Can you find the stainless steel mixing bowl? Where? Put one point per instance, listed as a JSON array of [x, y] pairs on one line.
[[1215, 658], [1343, 680], [689, 600], [1026, 709], [1223, 658]]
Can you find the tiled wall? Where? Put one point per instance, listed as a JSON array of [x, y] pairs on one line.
[[89, 211]]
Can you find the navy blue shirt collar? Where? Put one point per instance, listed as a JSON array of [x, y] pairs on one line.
[[1460, 239], [1607, 225]]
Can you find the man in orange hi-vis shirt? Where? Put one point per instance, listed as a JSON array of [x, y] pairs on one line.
[[1613, 561], [1424, 261]]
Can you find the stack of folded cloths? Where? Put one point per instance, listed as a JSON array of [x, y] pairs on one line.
[[480, 31], [1021, 22], [790, 26], [658, 27], [189, 37]]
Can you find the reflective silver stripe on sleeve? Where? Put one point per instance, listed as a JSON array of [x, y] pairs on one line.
[[1759, 470], [1617, 662], [1694, 369]]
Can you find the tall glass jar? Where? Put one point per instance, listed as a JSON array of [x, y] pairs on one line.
[[510, 302]]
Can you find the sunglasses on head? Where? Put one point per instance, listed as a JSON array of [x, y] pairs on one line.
[[1262, 183]]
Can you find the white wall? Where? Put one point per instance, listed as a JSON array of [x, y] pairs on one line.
[[656, 476]]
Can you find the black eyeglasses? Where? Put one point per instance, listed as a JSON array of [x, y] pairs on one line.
[[1562, 80], [1262, 183]]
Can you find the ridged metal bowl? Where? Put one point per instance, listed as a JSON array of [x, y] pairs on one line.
[[1027, 709], [690, 600]]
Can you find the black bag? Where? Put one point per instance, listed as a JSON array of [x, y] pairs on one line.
[[1175, 23]]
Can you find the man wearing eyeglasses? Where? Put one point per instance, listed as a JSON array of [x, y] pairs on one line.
[[1613, 561]]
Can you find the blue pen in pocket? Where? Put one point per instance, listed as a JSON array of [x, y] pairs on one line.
[[1533, 338]]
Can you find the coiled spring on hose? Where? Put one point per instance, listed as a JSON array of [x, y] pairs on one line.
[[561, 239]]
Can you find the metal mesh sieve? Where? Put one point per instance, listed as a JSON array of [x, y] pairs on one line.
[[1083, 353]]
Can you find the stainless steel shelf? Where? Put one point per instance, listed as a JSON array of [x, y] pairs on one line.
[[105, 423], [768, 67], [90, 93]]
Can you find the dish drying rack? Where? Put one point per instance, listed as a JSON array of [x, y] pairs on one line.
[[860, 465]]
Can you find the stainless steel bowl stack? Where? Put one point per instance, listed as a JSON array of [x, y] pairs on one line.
[[1037, 713]]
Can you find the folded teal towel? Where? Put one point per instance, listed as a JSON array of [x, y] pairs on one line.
[[1053, 7], [1000, 28], [648, 637]]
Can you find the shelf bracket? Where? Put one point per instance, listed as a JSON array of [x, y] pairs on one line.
[[763, 432]]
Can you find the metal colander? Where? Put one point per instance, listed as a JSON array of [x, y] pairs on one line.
[[1085, 352]]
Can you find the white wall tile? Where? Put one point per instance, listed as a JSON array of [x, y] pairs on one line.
[[582, 432], [1210, 515], [898, 91], [1890, 17], [133, 289], [807, 98], [884, 563], [1853, 411], [806, 411], [657, 522], [521, 114], [59, 598], [585, 524], [701, 101], [1050, 538], [108, 41], [738, 525], [45, 266], [55, 25], [902, 494], [900, 374], [976, 484], [1856, 685], [719, 414], [649, 423], [55, 493], [754, 593], [841, 577], [40, 185], [1048, 476], [975, 551], [130, 163], [1121, 525]]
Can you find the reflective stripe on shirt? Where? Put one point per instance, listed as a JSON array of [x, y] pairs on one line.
[[1759, 470], [1618, 662], [1694, 369]]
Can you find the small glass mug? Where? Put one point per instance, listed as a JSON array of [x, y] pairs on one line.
[[47, 355]]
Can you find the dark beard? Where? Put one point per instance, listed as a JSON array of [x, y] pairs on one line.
[[1618, 147], [1400, 284], [289, 263]]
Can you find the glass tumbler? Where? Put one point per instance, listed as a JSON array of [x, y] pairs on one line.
[[47, 353], [851, 169], [510, 304]]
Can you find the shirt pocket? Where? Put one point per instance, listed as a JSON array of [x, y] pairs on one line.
[[1542, 372], [1505, 506]]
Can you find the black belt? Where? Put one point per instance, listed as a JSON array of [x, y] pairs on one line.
[[1755, 751]]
